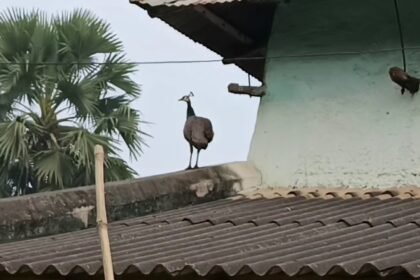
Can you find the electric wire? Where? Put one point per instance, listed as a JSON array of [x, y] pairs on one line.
[[226, 60]]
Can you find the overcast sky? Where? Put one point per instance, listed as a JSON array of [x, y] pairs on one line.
[[146, 39]]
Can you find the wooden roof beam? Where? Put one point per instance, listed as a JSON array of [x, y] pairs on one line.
[[224, 25]]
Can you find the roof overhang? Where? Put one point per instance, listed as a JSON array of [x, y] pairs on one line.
[[236, 30]]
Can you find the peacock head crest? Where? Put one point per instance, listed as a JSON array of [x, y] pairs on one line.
[[186, 98]]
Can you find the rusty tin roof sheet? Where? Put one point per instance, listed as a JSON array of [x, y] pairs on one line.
[[287, 233]]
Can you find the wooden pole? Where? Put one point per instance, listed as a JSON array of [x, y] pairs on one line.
[[101, 218]]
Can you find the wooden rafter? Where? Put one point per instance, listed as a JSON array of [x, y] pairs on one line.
[[224, 25]]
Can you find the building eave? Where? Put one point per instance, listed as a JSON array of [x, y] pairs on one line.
[[232, 29]]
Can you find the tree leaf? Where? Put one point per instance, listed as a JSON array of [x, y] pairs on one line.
[[80, 95], [47, 69], [13, 141], [52, 166], [81, 145], [115, 74], [82, 35], [117, 169]]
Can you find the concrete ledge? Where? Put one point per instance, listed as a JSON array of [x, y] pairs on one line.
[[73, 209]]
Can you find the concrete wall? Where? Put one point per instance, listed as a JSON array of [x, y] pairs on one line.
[[74, 209], [336, 119]]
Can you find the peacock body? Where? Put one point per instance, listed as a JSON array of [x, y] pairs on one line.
[[198, 131]]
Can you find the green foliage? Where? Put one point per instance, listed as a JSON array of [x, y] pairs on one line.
[[65, 86]]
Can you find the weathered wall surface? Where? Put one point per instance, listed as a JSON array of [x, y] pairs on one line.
[[74, 209], [336, 119]]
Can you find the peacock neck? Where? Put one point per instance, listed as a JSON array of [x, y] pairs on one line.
[[190, 110]]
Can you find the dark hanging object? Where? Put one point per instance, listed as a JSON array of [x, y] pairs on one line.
[[398, 75], [405, 81], [400, 30], [198, 131]]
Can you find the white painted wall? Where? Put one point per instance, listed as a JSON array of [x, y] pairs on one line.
[[338, 120]]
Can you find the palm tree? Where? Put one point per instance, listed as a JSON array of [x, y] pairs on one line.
[[65, 86]]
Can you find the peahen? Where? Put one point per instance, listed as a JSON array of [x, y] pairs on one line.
[[198, 131]]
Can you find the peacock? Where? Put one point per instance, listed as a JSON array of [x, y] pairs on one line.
[[198, 131], [405, 81]]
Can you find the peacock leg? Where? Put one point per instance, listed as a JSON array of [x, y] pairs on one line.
[[191, 153], [196, 162]]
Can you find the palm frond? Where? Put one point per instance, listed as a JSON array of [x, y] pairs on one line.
[[26, 41], [13, 79], [6, 187], [52, 166], [122, 121], [81, 145], [108, 105], [16, 27], [128, 126], [81, 96], [115, 74], [46, 63], [6, 102], [117, 169], [79, 43], [13, 141]]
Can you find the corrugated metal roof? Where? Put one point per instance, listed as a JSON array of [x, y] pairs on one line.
[[252, 19], [286, 235], [179, 3]]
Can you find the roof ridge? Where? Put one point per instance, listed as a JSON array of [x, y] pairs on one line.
[[325, 192]]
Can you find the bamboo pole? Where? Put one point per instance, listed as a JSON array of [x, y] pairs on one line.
[[101, 218]]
